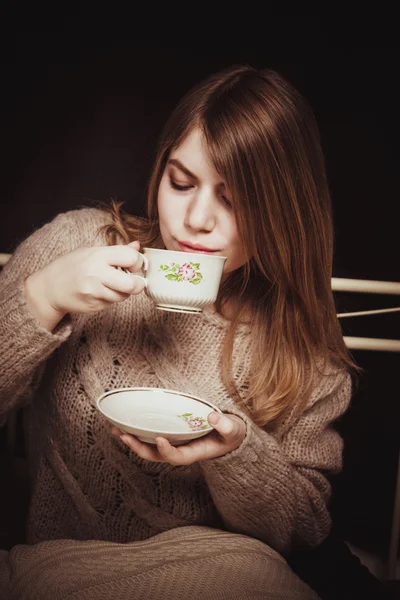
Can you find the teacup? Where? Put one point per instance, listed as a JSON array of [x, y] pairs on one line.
[[181, 281]]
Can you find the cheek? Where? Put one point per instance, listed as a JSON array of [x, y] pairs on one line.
[[168, 214], [164, 210], [166, 201], [237, 256], [235, 261], [161, 202], [161, 205]]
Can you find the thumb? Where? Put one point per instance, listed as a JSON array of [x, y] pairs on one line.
[[229, 427]]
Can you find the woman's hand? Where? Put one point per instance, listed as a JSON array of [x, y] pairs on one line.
[[83, 281], [229, 433]]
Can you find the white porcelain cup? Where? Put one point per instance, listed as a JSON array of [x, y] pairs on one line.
[[181, 281]]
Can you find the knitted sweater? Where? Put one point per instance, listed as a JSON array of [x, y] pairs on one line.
[[86, 484]]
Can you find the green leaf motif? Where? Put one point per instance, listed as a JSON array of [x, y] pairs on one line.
[[173, 277], [195, 265], [195, 281]]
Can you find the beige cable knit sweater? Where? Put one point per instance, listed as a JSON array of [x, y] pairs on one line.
[[85, 483]]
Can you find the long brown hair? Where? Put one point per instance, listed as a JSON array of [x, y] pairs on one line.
[[263, 139]]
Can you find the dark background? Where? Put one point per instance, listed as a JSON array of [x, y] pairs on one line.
[[80, 115]]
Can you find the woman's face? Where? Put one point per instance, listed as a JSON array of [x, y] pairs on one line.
[[194, 209]]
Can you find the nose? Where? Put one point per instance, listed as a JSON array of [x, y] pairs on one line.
[[200, 212]]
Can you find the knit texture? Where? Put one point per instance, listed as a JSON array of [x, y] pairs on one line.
[[86, 484], [189, 562]]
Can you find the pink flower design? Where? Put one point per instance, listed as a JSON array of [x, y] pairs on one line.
[[195, 423], [186, 272]]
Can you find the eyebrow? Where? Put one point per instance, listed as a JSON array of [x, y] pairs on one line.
[[177, 163]]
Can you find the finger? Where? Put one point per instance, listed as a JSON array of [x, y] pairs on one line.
[[229, 427], [112, 296], [201, 449], [139, 262], [125, 256], [123, 282], [175, 456], [146, 451], [135, 245], [93, 291]]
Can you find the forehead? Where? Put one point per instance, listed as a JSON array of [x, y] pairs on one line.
[[194, 155]]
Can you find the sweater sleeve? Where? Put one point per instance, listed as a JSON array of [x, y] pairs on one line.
[[24, 343], [275, 489]]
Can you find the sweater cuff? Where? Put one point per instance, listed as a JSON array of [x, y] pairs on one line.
[[28, 341], [249, 450]]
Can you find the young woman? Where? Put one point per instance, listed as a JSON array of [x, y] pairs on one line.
[[239, 172]]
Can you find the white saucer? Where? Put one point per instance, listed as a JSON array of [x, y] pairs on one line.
[[180, 309], [151, 412]]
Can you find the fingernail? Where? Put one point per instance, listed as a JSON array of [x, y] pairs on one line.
[[213, 418]]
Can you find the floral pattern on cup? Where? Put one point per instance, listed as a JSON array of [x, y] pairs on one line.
[[187, 272], [195, 423]]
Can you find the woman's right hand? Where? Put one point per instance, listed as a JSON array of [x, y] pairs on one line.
[[86, 280]]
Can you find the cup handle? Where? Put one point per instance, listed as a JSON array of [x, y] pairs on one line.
[[145, 261]]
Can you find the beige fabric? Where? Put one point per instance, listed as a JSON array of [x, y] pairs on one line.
[[187, 563], [86, 484]]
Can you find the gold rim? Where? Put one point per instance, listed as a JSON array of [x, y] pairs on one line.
[[162, 390], [168, 308], [181, 252]]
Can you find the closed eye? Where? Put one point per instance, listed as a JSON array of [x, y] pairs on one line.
[[227, 202], [176, 186], [185, 188]]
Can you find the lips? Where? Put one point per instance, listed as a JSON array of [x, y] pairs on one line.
[[190, 247]]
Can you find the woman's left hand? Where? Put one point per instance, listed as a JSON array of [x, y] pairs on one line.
[[229, 433]]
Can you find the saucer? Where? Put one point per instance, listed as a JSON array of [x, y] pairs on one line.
[[179, 309], [151, 412]]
